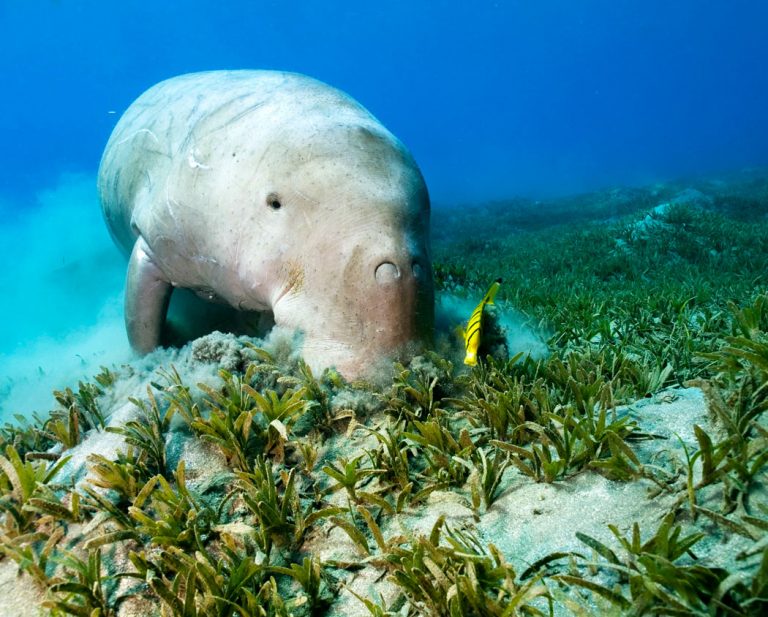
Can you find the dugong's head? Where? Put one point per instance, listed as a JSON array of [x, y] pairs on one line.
[[337, 242]]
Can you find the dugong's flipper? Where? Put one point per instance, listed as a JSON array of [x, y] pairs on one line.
[[147, 293]]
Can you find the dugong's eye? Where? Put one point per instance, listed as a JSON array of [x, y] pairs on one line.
[[273, 201]]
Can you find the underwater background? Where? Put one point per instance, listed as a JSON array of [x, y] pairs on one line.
[[606, 455], [496, 100]]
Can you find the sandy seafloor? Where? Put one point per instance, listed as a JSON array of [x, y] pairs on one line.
[[67, 271], [528, 521]]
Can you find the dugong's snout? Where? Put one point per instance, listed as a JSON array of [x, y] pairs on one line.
[[395, 310], [379, 308], [403, 298]]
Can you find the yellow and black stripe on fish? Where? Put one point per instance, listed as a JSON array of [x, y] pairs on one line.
[[474, 330]]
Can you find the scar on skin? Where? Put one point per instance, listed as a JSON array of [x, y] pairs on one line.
[[134, 134], [295, 276]]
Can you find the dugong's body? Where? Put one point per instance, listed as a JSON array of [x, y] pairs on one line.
[[271, 192]]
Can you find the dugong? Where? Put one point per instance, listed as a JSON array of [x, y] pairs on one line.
[[271, 191]]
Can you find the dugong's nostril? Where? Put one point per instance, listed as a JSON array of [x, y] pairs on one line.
[[418, 271], [387, 272]]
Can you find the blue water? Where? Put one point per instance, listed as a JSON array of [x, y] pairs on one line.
[[495, 99]]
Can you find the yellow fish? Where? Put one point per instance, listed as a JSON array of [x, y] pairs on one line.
[[475, 325]]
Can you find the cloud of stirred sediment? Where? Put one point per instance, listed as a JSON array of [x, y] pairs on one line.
[[61, 315]]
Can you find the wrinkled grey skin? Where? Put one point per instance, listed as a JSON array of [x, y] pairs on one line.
[[271, 192]]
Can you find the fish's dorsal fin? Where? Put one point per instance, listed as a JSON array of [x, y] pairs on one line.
[[490, 296]]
